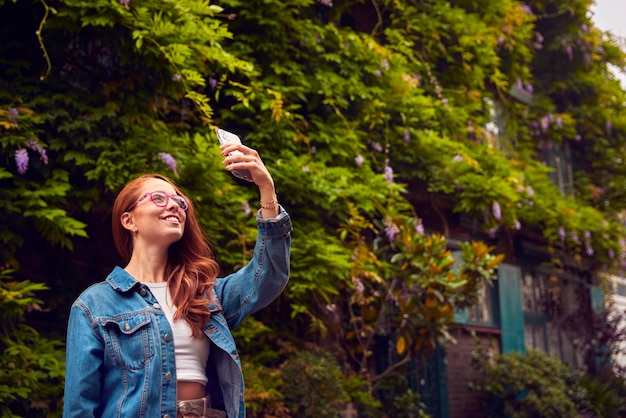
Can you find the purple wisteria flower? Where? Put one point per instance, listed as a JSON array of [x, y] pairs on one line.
[[497, 212], [407, 136], [169, 161], [377, 147], [212, 83], [388, 173], [43, 156], [527, 9], [358, 160], [419, 227], [21, 160], [405, 318], [562, 234], [125, 2], [457, 158], [385, 64], [176, 78], [530, 191], [328, 3], [245, 206], [358, 285], [390, 229], [517, 225], [538, 44], [492, 232], [13, 115]]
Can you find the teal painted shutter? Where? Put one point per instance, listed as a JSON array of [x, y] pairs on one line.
[[460, 315], [597, 298], [511, 314], [597, 304]]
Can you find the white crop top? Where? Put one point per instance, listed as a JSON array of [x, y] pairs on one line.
[[191, 354]]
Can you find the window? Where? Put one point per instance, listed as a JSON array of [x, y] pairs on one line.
[[546, 298], [494, 131], [558, 156], [482, 312]]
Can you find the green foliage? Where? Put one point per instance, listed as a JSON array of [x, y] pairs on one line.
[[32, 368], [313, 385], [406, 290], [369, 115], [408, 405], [531, 385], [602, 398], [540, 385], [264, 396]]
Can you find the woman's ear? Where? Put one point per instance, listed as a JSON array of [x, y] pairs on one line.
[[127, 221]]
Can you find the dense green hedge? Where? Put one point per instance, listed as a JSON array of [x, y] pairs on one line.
[[359, 109]]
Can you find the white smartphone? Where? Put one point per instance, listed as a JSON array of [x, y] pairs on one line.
[[228, 137]]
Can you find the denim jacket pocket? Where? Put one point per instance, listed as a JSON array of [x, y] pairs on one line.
[[129, 340]]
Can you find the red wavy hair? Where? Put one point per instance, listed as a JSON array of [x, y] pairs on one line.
[[191, 268]]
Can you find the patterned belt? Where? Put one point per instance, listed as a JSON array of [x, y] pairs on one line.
[[198, 408]]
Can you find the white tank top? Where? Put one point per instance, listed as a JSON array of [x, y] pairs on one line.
[[191, 353]]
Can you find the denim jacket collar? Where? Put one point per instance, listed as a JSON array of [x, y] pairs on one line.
[[120, 280]]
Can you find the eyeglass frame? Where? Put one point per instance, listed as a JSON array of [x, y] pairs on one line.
[[175, 197]]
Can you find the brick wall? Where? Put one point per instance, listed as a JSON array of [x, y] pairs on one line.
[[462, 401]]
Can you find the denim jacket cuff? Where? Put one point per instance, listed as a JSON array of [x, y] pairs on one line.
[[279, 226]]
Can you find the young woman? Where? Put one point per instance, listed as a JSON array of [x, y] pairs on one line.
[[153, 339]]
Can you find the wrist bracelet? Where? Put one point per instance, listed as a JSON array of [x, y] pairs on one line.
[[272, 204]]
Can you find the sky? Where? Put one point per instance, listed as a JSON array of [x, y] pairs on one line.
[[608, 15]]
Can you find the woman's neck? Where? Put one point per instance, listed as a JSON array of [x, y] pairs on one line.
[[146, 267]]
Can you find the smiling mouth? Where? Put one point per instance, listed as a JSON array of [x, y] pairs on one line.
[[172, 219]]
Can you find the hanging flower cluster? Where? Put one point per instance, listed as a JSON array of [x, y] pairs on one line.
[[22, 158], [169, 161]]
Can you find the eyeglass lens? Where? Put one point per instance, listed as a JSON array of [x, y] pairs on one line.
[[160, 199]]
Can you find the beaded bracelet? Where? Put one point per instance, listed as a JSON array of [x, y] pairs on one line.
[[272, 204]]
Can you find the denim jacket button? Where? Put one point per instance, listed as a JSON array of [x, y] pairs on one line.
[[167, 338], [143, 292], [157, 306], [166, 416], [168, 376]]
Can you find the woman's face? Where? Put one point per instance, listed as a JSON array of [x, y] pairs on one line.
[[156, 217]]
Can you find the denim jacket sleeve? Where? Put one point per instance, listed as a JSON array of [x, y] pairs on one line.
[[259, 282], [84, 356]]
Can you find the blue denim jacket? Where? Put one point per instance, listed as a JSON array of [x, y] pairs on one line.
[[120, 353]]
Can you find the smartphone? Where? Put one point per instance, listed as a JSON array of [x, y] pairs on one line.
[[227, 137]]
